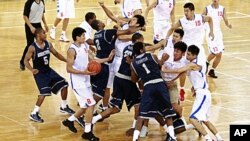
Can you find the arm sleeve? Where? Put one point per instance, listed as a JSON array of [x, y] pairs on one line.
[[27, 6]]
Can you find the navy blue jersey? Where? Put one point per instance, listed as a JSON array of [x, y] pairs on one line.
[[125, 67], [104, 41], [41, 57], [146, 67]]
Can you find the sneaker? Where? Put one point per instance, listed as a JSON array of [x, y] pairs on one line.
[[67, 110], [169, 138], [80, 122], [212, 74], [52, 34], [70, 125], [63, 38], [36, 117], [207, 64], [90, 136], [144, 132], [182, 93], [22, 66]]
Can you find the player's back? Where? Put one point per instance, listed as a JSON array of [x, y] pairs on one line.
[[125, 67], [147, 68], [42, 57], [163, 9]]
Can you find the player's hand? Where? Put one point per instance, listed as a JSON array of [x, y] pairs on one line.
[[229, 26], [46, 28], [164, 57], [211, 35], [86, 72], [111, 55], [163, 69], [34, 71], [32, 29], [101, 2]]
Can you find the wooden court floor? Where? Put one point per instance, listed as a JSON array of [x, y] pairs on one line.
[[18, 92]]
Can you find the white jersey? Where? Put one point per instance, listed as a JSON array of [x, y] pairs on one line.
[[129, 6], [217, 15], [80, 63], [198, 78], [193, 29], [89, 31], [163, 9]]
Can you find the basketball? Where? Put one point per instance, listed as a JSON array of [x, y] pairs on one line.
[[94, 66]]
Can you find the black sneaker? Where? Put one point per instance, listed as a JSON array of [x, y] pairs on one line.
[[212, 74], [67, 110], [70, 125], [36, 117], [80, 121], [90, 136], [169, 138], [207, 64], [22, 66]]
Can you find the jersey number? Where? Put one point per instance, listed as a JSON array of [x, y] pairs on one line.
[[145, 67], [46, 61], [198, 23], [220, 13], [97, 44]]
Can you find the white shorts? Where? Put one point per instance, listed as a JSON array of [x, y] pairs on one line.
[[84, 97], [201, 105], [113, 69], [161, 29], [216, 46], [65, 9]]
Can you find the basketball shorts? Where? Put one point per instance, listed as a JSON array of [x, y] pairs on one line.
[[160, 29], [84, 97], [65, 9], [216, 46], [99, 82], [201, 105], [173, 93], [113, 69], [49, 81], [124, 89]]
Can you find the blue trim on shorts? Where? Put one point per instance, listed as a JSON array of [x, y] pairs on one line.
[[203, 100]]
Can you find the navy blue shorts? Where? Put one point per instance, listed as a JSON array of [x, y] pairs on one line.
[[49, 81], [99, 82], [124, 90], [155, 98], [177, 122]]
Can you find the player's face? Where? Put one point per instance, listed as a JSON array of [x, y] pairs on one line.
[[188, 13], [190, 56], [176, 37], [215, 1], [140, 40], [133, 22], [177, 54], [81, 38], [101, 24], [43, 35]]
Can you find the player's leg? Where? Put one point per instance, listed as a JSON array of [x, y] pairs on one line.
[[212, 128], [182, 80], [63, 36], [216, 62]]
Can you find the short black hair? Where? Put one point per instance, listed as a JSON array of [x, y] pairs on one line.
[[89, 16], [137, 47], [179, 31], [181, 46], [140, 20], [38, 31], [194, 49], [94, 24], [78, 31], [136, 36], [190, 6]]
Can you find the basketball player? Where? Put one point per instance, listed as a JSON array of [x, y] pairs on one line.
[[104, 42], [77, 62], [46, 78], [202, 103], [217, 12], [155, 93], [65, 11], [193, 26], [163, 13], [123, 88], [33, 15], [129, 8]]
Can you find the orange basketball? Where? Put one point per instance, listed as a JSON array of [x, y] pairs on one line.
[[94, 66]]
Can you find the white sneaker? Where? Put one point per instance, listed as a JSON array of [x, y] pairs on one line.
[[64, 38], [52, 34], [144, 131]]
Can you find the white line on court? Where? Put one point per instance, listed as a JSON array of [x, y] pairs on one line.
[[12, 120]]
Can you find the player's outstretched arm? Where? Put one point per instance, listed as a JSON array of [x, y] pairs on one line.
[[27, 58]]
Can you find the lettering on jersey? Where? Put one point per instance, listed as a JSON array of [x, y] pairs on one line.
[[142, 60], [98, 35], [41, 54], [128, 53]]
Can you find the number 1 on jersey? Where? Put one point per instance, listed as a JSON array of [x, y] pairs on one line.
[[145, 67]]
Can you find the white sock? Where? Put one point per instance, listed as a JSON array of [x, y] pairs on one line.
[[72, 118], [218, 137], [96, 118], [64, 103], [165, 128], [213, 68], [104, 108], [136, 135], [36, 109], [133, 125], [171, 131], [63, 33], [145, 128], [207, 137], [53, 27], [87, 127], [189, 126]]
